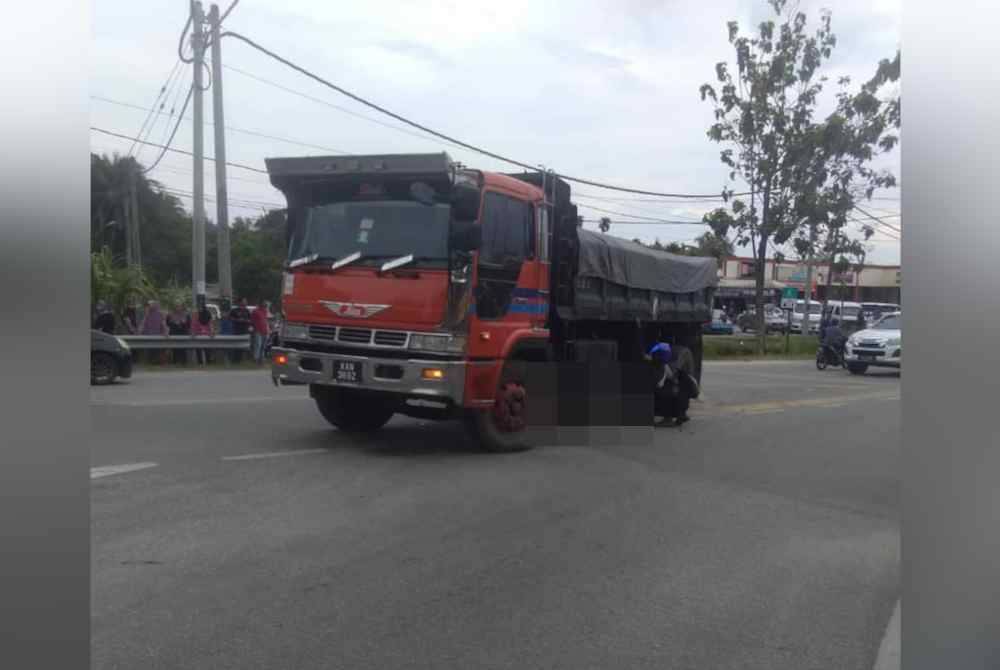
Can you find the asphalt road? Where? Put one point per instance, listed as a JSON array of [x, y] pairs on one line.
[[241, 531]]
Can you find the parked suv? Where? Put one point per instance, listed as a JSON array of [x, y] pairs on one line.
[[879, 346]]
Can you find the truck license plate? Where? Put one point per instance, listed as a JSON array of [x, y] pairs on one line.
[[347, 371], [866, 357]]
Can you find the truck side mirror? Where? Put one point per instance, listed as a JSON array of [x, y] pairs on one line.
[[466, 236]]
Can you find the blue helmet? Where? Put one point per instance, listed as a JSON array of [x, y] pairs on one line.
[[661, 350]]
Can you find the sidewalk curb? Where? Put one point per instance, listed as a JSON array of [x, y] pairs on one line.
[[889, 651]]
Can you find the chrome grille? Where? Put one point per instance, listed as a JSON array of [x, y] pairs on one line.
[[390, 338], [355, 335], [322, 332]]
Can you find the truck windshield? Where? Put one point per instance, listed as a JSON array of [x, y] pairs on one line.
[[378, 229], [814, 308]]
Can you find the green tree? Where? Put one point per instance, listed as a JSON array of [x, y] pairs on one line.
[[115, 284], [258, 250], [764, 110]]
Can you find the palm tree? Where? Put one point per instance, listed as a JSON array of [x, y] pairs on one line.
[[117, 286]]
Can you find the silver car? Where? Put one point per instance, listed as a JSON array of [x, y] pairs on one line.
[[878, 346]]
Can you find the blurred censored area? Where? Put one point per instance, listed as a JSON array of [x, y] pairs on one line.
[[594, 402]]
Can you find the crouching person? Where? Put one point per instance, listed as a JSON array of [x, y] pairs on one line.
[[673, 387]]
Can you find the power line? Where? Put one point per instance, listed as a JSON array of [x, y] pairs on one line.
[[663, 201], [649, 223], [233, 128], [251, 203], [180, 117], [232, 6], [430, 131], [161, 94], [877, 227], [178, 170], [636, 216], [339, 108], [180, 151], [879, 219]]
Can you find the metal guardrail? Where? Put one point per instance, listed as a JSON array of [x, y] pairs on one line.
[[232, 342]]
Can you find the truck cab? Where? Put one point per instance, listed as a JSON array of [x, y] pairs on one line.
[[409, 281]]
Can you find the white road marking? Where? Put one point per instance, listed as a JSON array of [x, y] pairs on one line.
[[193, 401], [273, 454], [108, 470], [889, 657]]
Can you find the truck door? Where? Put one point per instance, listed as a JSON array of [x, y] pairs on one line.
[[506, 234]]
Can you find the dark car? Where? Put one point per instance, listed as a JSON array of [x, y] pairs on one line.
[[719, 325], [110, 358]]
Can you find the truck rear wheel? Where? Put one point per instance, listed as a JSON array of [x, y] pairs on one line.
[[349, 412], [502, 428]]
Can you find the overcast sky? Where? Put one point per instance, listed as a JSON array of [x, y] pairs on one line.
[[603, 90]]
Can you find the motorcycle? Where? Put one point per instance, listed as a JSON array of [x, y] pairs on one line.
[[828, 355]]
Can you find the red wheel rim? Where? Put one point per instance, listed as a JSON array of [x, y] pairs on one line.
[[508, 411]]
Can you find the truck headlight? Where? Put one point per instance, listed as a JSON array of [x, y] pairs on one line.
[[445, 344], [295, 331], [893, 341]]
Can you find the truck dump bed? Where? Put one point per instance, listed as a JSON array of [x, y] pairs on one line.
[[619, 280], [606, 278]]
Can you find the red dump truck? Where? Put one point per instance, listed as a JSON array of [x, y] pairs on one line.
[[417, 286]]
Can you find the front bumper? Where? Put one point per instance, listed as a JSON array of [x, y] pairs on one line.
[[889, 357], [124, 362], [390, 375]]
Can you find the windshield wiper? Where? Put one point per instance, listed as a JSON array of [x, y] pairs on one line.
[[312, 259], [304, 260], [346, 260], [397, 262]]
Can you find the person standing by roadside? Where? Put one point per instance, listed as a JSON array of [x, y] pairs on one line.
[[105, 321], [261, 329], [179, 323], [240, 318], [131, 319], [153, 323], [203, 325]]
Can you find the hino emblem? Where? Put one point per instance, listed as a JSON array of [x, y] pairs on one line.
[[353, 309]]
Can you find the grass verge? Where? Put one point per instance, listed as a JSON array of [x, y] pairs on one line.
[[744, 347]]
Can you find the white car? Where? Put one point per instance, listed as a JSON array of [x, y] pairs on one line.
[[815, 313], [878, 346]]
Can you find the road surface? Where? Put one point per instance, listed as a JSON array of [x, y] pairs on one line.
[[233, 528]]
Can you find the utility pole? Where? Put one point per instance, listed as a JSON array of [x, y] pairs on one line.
[[133, 197], [809, 278], [126, 208], [198, 229], [221, 194]]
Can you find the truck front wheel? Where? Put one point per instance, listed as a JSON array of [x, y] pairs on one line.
[[502, 428], [351, 413]]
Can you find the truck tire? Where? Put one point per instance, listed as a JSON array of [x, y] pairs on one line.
[[502, 428], [857, 368], [103, 369], [350, 413]]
